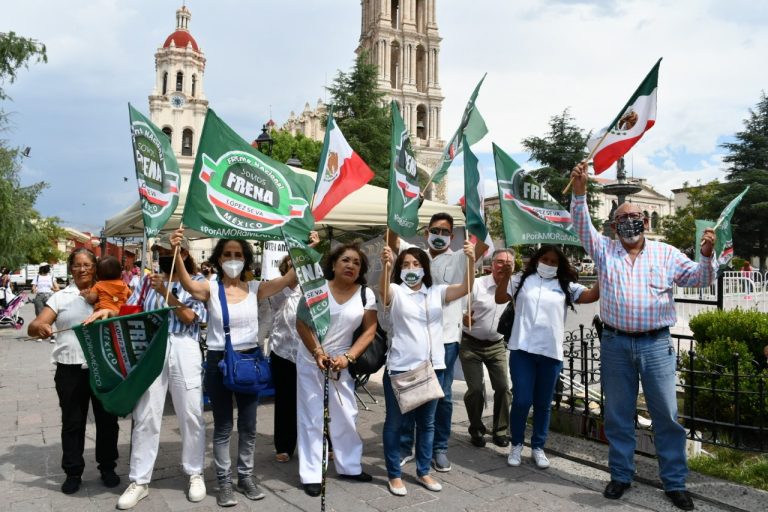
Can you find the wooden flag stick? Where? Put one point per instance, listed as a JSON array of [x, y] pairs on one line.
[[591, 154], [386, 270], [173, 267], [469, 295]]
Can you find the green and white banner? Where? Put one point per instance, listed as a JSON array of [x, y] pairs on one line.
[[237, 192], [314, 308], [529, 214], [724, 231], [157, 172], [125, 354], [474, 199], [701, 225], [404, 189]]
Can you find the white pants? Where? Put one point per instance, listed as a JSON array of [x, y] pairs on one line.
[[182, 373], [347, 445]]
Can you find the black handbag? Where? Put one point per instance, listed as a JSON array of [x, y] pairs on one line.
[[506, 320], [375, 355]]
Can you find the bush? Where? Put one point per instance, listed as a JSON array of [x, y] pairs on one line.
[[747, 326]]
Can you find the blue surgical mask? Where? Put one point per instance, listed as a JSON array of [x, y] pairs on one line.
[[412, 276]]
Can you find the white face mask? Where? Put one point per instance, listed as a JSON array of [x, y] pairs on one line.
[[233, 268], [438, 242], [632, 240], [546, 271], [412, 276]]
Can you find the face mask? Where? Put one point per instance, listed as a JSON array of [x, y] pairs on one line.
[[165, 262], [629, 230], [546, 271], [412, 276], [206, 272], [438, 242], [233, 268]]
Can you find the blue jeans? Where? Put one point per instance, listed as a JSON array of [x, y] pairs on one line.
[[444, 408], [221, 402], [533, 384], [625, 361], [424, 418]]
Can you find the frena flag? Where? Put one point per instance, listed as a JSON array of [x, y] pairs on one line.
[[636, 118], [341, 172]]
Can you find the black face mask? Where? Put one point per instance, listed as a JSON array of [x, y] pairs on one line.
[[630, 228], [165, 263], [206, 272]]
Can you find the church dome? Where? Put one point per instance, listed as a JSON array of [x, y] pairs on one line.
[[181, 38]]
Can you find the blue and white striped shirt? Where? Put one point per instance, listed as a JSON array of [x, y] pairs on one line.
[[154, 300]]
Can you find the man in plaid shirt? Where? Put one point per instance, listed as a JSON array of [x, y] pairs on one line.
[[636, 276]]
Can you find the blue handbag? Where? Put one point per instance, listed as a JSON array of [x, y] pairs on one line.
[[243, 373]]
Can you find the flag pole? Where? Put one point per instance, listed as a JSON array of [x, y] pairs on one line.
[[326, 433], [591, 154], [386, 269], [173, 267], [469, 295]]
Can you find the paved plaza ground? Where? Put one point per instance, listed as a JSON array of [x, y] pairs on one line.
[[30, 457]]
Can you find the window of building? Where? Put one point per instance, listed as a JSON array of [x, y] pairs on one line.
[[654, 221], [165, 82], [395, 13], [194, 84], [421, 122], [179, 81], [169, 132], [421, 11], [186, 142], [394, 65], [421, 69]]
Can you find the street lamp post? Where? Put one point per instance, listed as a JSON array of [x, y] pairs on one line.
[[264, 141]]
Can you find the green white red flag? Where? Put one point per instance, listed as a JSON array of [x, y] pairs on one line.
[[474, 199], [472, 127], [157, 172], [631, 123], [341, 171], [404, 189]]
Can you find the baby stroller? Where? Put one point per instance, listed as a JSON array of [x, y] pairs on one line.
[[9, 315]]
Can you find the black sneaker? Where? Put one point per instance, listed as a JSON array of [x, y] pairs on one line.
[[362, 477], [312, 490], [226, 496], [71, 485], [110, 478], [615, 489], [501, 441], [681, 499], [478, 441], [248, 487]]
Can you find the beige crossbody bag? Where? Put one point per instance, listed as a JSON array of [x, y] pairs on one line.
[[419, 385]]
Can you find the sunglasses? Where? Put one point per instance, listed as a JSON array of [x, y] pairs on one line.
[[440, 231]]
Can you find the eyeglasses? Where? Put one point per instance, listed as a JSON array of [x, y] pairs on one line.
[[629, 216], [440, 231], [86, 266]]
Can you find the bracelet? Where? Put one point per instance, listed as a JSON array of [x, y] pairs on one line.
[[350, 358]]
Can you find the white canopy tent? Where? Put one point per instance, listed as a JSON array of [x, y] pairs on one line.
[[364, 208]]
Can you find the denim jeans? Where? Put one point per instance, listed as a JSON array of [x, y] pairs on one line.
[[444, 408], [624, 362], [221, 402], [424, 418], [533, 384]]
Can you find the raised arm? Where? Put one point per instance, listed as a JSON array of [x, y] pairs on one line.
[[457, 291], [387, 260], [394, 241], [271, 287], [688, 273], [589, 236], [200, 290], [590, 294], [502, 296]]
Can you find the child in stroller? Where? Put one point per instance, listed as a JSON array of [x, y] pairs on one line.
[[9, 315]]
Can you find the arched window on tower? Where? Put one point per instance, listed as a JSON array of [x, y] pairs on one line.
[[194, 84], [654, 221], [169, 132], [421, 69], [394, 65], [179, 81], [421, 122], [165, 82], [186, 142], [421, 25], [394, 12]]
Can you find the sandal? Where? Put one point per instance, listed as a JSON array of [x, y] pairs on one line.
[[282, 457]]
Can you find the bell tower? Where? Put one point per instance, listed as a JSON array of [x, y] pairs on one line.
[[401, 38], [177, 103]]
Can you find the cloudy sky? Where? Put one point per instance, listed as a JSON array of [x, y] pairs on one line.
[[541, 57]]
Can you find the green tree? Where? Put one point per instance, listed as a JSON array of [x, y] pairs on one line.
[[679, 229], [364, 121], [560, 150], [748, 159], [305, 149], [17, 52]]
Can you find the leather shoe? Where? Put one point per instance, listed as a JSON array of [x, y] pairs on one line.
[[110, 478], [615, 489], [71, 485], [312, 490], [680, 499], [362, 477], [502, 441], [478, 441]]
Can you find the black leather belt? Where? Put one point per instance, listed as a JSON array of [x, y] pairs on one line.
[[641, 334], [479, 341]]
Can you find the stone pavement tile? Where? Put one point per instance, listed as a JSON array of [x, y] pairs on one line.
[[417, 497], [462, 478], [453, 498], [503, 489], [35, 505]]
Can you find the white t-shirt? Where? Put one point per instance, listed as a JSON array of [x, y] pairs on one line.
[[345, 318], [540, 312], [410, 335], [71, 309], [485, 311], [284, 340], [243, 319], [447, 268], [44, 283], [134, 282]]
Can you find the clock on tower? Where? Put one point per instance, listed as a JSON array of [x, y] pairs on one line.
[[178, 100]]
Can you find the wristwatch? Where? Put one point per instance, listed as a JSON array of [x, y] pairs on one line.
[[350, 358]]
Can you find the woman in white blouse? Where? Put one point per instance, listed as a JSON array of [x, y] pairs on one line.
[[542, 293], [416, 309]]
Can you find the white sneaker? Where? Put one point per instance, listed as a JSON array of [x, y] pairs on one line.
[[132, 495], [515, 454], [196, 490], [541, 460]]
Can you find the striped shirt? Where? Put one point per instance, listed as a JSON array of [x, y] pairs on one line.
[[154, 300], [637, 297]]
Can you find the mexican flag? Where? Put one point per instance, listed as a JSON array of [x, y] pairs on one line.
[[636, 118], [474, 198], [314, 308], [341, 171], [237, 192], [404, 189], [724, 231], [529, 214], [125, 354], [472, 127], [157, 172]]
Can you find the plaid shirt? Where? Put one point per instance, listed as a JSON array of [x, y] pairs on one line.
[[154, 300], [638, 297]]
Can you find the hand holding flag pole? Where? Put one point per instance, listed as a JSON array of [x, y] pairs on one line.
[[173, 261], [591, 154]]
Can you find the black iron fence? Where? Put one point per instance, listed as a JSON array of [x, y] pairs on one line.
[[724, 405]]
